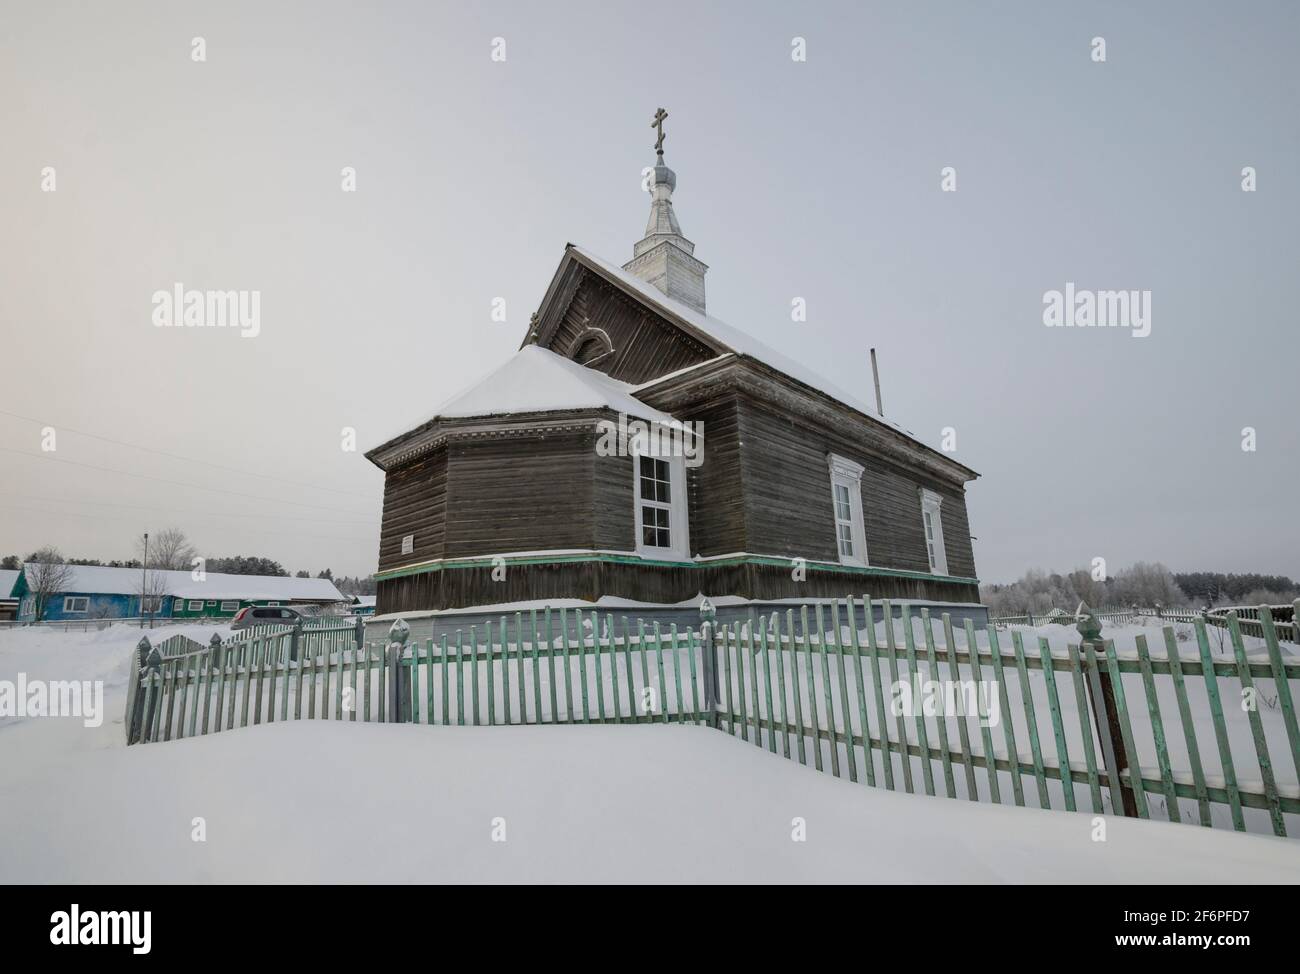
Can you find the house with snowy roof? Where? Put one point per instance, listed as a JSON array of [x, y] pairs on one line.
[[98, 592], [8, 604], [538, 483]]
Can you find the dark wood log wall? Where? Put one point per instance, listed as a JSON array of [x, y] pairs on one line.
[[464, 587], [717, 500], [764, 488], [504, 495], [645, 345], [415, 498], [615, 518], [787, 492], [520, 494]]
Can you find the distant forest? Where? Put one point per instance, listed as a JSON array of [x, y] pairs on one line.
[[1143, 584]]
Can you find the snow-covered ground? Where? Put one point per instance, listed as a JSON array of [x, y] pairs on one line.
[[330, 802]]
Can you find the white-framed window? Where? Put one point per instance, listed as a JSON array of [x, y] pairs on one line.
[[273, 603], [230, 605], [76, 603], [932, 522], [150, 604], [194, 605], [846, 507], [661, 530]]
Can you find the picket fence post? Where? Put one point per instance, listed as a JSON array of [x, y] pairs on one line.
[[133, 708], [151, 663], [708, 614], [398, 694], [1106, 715]]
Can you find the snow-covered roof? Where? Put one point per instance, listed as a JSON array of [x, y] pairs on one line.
[[7, 578], [536, 380], [99, 580], [733, 338]]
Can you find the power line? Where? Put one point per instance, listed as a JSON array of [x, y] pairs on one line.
[[177, 456], [106, 517], [173, 510], [174, 483]]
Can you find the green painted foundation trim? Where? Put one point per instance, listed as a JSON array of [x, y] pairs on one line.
[[615, 559]]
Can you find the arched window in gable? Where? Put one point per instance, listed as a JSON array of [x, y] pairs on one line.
[[591, 346]]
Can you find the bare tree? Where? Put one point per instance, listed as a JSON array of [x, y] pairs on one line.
[[168, 549], [151, 588], [1148, 584], [47, 576]]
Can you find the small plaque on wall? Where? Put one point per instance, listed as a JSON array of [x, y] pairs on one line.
[[408, 544]]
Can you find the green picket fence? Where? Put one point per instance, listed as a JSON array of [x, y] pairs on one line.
[[1197, 730], [1062, 617], [1085, 726], [312, 633], [529, 669], [1282, 616]]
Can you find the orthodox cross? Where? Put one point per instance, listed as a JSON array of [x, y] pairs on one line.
[[658, 123]]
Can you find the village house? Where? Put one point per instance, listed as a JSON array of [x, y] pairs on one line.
[[96, 592], [8, 604], [510, 493]]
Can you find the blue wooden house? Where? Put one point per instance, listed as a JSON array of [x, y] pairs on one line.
[[95, 592]]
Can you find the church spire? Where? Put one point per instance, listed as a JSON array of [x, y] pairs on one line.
[[663, 257]]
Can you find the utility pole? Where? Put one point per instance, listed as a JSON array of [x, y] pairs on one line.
[[144, 578]]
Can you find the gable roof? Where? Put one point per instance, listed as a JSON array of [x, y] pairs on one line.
[[537, 380], [722, 337], [101, 580], [8, 576]]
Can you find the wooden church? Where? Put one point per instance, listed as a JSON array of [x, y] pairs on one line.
[[537, 484]]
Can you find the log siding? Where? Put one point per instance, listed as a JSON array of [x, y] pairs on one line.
[[787, 495], [415, 503], [541, 578], [521, 494], [645, 345]]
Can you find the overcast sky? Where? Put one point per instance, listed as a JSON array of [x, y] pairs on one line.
[[817, 179]]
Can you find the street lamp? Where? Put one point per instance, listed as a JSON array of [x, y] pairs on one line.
[[144, 578]]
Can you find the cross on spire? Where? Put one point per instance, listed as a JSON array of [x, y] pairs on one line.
[[658, 123], [663, 257]]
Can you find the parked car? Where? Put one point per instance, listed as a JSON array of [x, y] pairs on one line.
[[268, 615]]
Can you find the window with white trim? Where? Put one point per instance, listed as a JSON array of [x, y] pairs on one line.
[[150, 604], [846, 506], [661, 507], [230, 606], [76, 603], [194, 605], [932, 522]]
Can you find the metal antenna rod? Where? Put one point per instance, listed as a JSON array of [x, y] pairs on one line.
[[875, 375]]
